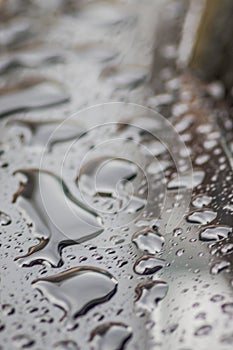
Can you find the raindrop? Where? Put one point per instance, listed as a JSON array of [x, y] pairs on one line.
[[201, 201], [201, 216], [23, 341], [59, 218], [4, 219], [149, 294], [219, 266], [180, 252], [66, 345], [101, 176], [188, 180], [126, 76], [31, 95], [147, 265], [214, 233], [48, 133], [203, 330], [148, 241], [77, 290], [111, 336], [227, 308]]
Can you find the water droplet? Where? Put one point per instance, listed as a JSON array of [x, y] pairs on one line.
[[30, 59], [4, 219], [101, 176], [14, 33], [78, 289], [59, 218], [66, 345], [180, 252], [43, 134], [8, 309], [128, 76], [219, 266], [201, 216], [147, 265], [227, 308], [23, 341], [158, 166], [96, 51], [149, 294], [227, 249], [214, 233], [188, 180], [202, 159], [111, 336], [177, 232], [201, 201], [217, 297], [31, 95], [148, 241], [203, 330]]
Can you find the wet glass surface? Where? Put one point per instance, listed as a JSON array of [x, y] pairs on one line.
[[116, 220]]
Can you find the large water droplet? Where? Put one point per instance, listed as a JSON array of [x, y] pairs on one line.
[[101, 176], [149, 294], [31, 95], [201, 201], [147, 265], [59, 218], [189, 180], [214, 233], [41, 133], [111, 336], [219, 266], [78, 289], [30, 59], [148, 241], [201, 216]]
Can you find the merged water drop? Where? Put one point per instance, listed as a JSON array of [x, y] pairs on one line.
[[111, 336], [31, 95], [188, 181], [214, 233], [148, 241], [59, 218], [77, 290], [149, 294], [201, 216], [147, 265], [42, 133]]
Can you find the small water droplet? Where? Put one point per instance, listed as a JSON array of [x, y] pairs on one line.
[[203, 330], [180, 252], [4, 219], [227, 308]]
